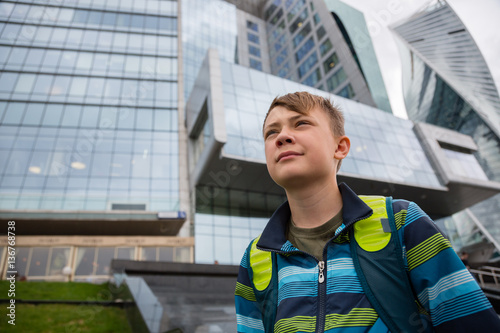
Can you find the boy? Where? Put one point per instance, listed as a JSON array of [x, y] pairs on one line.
[[300, 276]]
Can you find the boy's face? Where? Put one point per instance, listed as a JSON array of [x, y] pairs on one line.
[[301, 149]]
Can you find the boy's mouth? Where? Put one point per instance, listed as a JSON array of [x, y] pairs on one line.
[[287, 154]]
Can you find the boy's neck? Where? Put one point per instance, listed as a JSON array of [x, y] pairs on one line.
[[314, 205]]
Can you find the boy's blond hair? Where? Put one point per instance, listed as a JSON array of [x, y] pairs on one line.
[[302, 102]]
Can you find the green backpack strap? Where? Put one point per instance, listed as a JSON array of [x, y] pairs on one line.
[[379, 262], [264, 276]]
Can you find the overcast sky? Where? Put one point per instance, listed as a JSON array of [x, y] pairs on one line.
[[481, 17]]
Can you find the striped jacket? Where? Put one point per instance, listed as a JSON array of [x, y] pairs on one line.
[[450, 298]]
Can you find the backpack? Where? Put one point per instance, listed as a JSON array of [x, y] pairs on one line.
[[379, 263]]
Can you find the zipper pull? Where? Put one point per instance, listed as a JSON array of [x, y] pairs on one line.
[[321, 266]]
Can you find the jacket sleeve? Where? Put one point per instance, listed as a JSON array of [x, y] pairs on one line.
[[248, 314], [447, 291]]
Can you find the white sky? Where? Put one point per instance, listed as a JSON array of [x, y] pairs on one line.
[[481, 17]]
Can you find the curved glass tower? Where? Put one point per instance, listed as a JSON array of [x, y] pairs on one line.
[[447, 82]]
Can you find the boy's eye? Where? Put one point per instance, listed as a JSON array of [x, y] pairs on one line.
[[301, 122], [270, 132]]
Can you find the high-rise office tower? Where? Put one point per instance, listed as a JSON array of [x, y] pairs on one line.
[[447, 82], [90, 161]]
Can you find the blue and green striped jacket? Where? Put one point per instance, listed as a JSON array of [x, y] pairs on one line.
[[451, 299]]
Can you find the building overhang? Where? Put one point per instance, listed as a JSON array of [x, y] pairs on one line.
[[212, 166], [230, 172], [124, 223]]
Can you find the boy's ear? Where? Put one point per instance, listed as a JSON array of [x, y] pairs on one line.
[[343, 146]]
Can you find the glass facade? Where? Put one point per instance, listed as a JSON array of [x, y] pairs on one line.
[[452, 53], [449, 85], [301, 30], [352, 25], [88, 105], [90, 263], [224, 226], [430, 99], [88, 121], [382, 146], [200, 32]]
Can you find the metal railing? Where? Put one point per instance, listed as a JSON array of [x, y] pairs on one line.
[[489, 271]]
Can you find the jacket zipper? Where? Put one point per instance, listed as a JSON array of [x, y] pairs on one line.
[[321, 266], [320, 327]]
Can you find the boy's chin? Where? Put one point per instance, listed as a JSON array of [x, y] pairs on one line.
[[292, 181]]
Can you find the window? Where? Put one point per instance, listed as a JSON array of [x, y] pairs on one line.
[[271, 9], [109, 19], [34, 59], [299, 21], [168, 24], [321, 32], [80, 16], [252, 26], [43, 84], [95, 18], [313, 79], [316, 18], [282, 57], [330, 62], [298, 6], [301, 35], [66, 15], [74, 37], [325, 47], [276, 32], [255, 64], [304, 50], [6, 9], [308, 64], [25, 83], [172, 254], [60, 86], [4, 54], [123, 20], [254, 50], [253, 38], [347, 92], [51, 60], [276, 17], [7, 80], [283, 72], [463, 163], [84, 261], [39, 259], [58, 37], [137, 22], [152, 22], [336, 80], [279, 44]]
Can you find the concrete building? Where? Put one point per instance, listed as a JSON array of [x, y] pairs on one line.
[[132, 130]]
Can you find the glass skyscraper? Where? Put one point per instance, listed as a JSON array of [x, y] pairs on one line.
[[447, 82], [88, 126]]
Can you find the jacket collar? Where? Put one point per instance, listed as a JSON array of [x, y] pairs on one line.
[[274, 235]]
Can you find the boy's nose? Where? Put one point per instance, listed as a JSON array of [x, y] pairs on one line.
[[283, 138]]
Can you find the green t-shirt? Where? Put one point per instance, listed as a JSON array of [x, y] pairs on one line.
[[313, 240]]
